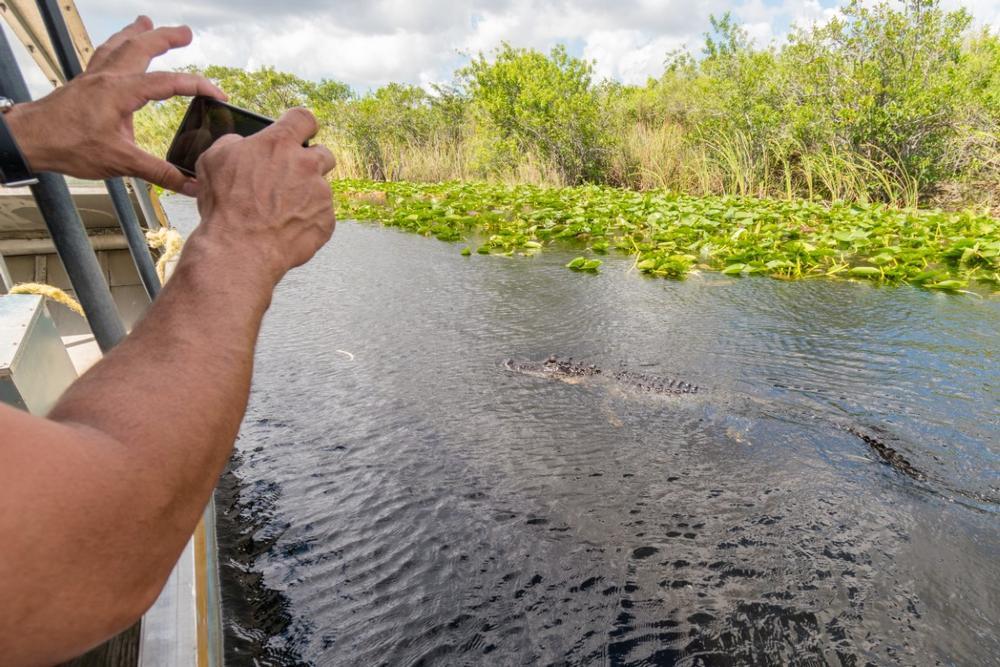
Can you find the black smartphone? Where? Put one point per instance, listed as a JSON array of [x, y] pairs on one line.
[[206, 120]]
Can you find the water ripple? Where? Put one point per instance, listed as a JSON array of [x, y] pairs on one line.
[[414, 502]]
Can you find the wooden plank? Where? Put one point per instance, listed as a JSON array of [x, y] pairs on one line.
[[24, 19]]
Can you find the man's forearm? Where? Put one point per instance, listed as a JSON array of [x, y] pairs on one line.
[[121, 472], [174, 392]]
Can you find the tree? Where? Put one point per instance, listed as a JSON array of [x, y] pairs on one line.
[[380, 124], [525, 102], [884, 82]]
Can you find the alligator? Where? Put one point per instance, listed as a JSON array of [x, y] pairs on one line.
[[575, 372], [889, 456]]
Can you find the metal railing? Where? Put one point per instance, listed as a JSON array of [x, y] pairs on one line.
[[56, 206], [66, 228], [62, 44]]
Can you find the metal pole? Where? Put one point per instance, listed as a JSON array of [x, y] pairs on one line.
[[134, 236], [66, 228], [141, 190], [62, 45], [5, 278]]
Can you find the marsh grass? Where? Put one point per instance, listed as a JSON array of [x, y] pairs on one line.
[[663, 158]]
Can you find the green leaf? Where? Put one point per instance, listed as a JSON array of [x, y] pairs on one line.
[[865, 272], [948, 285]]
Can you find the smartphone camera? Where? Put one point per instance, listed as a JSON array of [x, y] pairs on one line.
[[206, 120]]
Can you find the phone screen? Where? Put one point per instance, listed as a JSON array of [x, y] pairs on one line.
[[206, 120]]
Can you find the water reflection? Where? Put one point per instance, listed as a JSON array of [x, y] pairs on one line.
[[433, 507]]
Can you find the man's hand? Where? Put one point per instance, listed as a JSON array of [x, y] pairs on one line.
[[84, 128], [264, 199]]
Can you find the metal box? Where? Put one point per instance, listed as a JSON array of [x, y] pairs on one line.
[[35, 368]]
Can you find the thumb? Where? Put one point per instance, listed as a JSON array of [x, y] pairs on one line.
[[159, 172]]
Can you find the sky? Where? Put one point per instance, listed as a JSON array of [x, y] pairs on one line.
[[367, 43]]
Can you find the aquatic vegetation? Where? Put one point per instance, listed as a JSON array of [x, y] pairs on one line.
[[670, 235], [584, 264]]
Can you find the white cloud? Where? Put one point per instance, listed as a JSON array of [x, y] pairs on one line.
[[628, 55], [317, 51], [985, 12], [367, 43]]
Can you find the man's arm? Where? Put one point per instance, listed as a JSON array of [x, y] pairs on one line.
[[97, 502]]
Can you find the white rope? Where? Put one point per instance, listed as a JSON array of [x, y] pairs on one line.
[[170, 241], [49, 292]]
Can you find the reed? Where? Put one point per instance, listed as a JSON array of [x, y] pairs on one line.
[[665, 156]]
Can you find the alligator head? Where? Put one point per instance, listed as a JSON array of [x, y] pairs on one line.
[[554, 368]]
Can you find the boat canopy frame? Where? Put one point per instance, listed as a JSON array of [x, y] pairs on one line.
[[57, 40]]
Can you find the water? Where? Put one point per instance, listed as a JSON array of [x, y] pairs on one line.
[[398, 497]]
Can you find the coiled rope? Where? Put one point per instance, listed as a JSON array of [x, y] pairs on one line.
[[49, 292], [169, 240]]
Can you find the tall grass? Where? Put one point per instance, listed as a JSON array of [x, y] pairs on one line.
[[733, 164], [646, 156]]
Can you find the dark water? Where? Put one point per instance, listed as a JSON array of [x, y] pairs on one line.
[[420, 504]]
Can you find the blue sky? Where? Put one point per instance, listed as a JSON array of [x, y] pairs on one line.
[[367, 43]]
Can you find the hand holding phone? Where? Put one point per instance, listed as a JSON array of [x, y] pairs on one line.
[[264, 200], [205, 121]]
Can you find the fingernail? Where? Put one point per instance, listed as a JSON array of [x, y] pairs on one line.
[[190, 189]]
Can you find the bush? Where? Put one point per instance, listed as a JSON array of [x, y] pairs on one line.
[[880, 104], [525, 102]]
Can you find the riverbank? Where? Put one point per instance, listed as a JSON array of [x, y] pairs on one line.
[[670, 235]]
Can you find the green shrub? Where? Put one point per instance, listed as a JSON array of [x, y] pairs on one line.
[[526, 102], [890, 103]]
